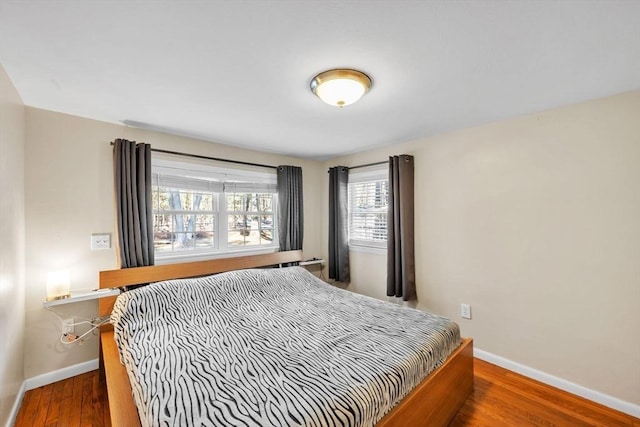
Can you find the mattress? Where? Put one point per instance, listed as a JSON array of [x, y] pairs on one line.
[[276, 347]]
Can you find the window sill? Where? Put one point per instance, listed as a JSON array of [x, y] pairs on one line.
[[170, 259], [368, 249]]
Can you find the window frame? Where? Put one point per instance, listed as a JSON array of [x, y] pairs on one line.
[[272, 213], [222, 180], [368, 176]]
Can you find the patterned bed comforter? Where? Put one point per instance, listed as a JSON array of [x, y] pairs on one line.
[[272, 347]]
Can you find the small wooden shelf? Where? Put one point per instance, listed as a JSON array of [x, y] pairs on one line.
[[83, 296]]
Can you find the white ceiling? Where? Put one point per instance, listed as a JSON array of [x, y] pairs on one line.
[[238, 72]]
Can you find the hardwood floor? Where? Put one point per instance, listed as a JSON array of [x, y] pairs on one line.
[[77, 401], [504, 398], [500, 398]]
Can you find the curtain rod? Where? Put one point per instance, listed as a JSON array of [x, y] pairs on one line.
[[386, 162], [197, 156]]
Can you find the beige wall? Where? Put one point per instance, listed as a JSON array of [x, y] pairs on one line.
[[535, 222], [12, 141], [70, 196]]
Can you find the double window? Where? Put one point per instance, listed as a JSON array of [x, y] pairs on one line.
[[368, 197], [202, 210]]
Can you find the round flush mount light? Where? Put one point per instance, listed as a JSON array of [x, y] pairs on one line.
[[340, 87]]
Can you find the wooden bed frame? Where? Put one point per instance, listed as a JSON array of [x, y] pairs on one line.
[[434, 402]]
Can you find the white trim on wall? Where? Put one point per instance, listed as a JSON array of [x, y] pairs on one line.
[[61, 374], [16, 405], [562, 384], [367, 249]]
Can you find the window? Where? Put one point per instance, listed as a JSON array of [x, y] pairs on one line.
[[368, 196], [202, 209], [183, 220], [250, 219]]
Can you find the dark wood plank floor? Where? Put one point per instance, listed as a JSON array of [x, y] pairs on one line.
[[500, 398], [77, 401], [504, 398]]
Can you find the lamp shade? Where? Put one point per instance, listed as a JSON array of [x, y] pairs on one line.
[[340, 87], [57, 285]]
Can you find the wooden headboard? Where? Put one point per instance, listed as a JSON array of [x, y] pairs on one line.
[[157, 273]]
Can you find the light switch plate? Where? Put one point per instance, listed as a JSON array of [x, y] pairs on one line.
[[100, 241]]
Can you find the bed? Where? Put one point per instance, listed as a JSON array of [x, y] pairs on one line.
[[280, 350]]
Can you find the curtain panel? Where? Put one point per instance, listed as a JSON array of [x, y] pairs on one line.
[[338, 224], [290, 208], [401, 267], [134, 208]]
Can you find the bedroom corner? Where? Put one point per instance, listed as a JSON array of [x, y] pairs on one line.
[[12, 236]]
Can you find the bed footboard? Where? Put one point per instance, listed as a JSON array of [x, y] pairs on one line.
[[434, 402], [437, 400]]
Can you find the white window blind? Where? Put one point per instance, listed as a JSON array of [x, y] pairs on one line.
[[368, 196], [179, 182], [187, 183]]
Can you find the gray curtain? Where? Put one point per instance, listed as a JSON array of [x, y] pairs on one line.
[[134, 209], [401, 266], [338, 223], [290, 212]]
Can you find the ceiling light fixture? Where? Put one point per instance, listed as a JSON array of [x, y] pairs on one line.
[[340, 87]]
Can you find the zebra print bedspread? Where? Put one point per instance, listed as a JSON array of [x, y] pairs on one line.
[[272, 347]]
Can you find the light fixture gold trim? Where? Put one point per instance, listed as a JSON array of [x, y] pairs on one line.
[[342, 79]]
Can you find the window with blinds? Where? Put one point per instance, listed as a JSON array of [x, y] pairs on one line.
[[368, 196], [202, 209]]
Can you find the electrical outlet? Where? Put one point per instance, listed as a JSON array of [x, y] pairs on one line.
[[67, 326], [465, 311]]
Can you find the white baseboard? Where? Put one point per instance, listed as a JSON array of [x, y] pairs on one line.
[[61, 374], [562, 384], [16, 405]]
